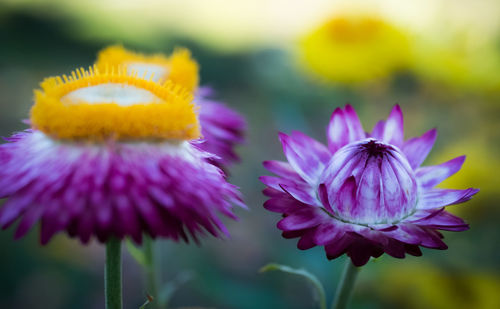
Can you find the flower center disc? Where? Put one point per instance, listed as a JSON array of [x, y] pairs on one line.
[[91, 105], [121, 94]]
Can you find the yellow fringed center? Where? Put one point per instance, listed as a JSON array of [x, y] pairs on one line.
[[179, 67], [98, 106]]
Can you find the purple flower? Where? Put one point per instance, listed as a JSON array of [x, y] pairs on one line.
[[105, 169], [222, 128], [364, 194]]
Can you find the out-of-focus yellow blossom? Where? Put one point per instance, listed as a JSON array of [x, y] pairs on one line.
[[459, 62], [355, 48], [412, 285]]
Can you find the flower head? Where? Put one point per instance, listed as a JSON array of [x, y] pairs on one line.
[[222, 128], [364, 194], [355, 48], [110, 154]]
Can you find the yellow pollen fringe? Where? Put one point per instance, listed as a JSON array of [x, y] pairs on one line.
[[181, 68], [173, 118]]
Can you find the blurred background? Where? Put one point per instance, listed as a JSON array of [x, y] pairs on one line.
[[286, 65]]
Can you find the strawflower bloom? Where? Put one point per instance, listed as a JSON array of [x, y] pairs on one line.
[[110, 155], [365, 193], [353, 48], [222, 128]]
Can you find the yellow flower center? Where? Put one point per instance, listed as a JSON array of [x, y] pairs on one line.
[[179, 67], [98, 106]]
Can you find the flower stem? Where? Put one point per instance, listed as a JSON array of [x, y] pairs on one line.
[[344, 290], [113, 274], [150, 268]]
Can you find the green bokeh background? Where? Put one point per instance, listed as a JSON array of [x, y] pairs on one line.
[[265, 85]]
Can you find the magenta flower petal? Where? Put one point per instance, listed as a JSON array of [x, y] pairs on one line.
[[363, 195], [391, 131], [283, 169], [104, 189], [417, 148], [434, 198], [431, 176], [222, 128], [344, 127], [307, 156], [443, 220]]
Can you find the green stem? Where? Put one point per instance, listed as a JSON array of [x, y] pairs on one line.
[[113, 274], [150, 265], [344, 290]]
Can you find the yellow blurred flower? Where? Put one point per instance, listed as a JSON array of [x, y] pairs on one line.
[[412, 285], [355, 48], [459, 62], [179, 67]]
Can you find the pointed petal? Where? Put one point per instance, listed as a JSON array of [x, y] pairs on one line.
[[393, 129], [303, 193], [378, 130], [344, 127], [337, 248], [304, 218], [354, 126], [327, 233], [306, 241], [298, 190], [430, 176], [282, 169], [395, 248], [443, 220], [413, 250], [417, 149], [437, 198], [281, 205], [360, 252], [29, 219], [305, 155]]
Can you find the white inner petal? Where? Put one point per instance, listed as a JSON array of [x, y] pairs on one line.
[[160, 72], [121, 94]]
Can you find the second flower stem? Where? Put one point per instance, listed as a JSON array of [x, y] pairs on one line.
[[345, 287], [152, 280]]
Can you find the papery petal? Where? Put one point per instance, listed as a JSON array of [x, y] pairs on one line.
[[327, 233], [443, 220], [282, 169], [113, 189], [307, 156], [391, 131], [394, 130], [344, 127], [417, 149], [430, 176], [337, 248], [282, 205], [301, 219], [437, 198]]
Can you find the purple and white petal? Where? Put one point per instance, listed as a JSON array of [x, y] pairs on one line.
[[430, 176], [417, 148]]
